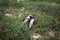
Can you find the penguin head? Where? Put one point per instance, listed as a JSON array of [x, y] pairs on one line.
[[29, 16]]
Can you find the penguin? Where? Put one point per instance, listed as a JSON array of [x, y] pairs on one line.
[[30, 20]]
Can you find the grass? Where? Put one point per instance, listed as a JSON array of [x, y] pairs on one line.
[[45, 12]]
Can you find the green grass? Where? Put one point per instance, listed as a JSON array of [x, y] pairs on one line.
[[46, 12]]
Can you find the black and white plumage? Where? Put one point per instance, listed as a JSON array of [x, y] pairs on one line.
[[30, 20]]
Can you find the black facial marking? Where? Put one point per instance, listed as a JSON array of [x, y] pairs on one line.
[[31, 17]]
